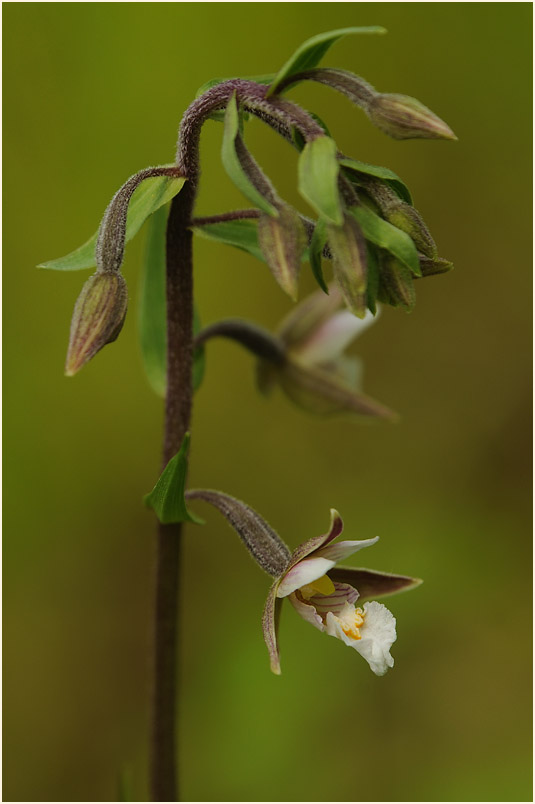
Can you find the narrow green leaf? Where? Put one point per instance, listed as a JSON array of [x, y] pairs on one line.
[[152, 194], [353, 166], [233, 164], [311, 52], [383, 234], [318, 170], [167, 496], [315, 251], [152, 310], [152, 306], [242, 234]]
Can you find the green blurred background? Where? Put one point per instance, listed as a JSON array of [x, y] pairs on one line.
[[94, 92]]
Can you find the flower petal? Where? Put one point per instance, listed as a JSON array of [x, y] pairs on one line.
[[373, 584], [331, 337], [335, 602], [341, 550], [377, 633], [307, 612], [270, 624], [302, 573], [335, 529], [309, 314]]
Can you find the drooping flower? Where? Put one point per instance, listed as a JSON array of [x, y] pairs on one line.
[[325, 596], [316, 373]]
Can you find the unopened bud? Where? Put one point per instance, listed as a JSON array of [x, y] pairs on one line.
[[403, 118], [436, 265], [283, 241], [98, 317], [409, 220], [348, 249], [396, 284]]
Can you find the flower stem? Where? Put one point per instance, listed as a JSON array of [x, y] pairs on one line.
[[163, 774]]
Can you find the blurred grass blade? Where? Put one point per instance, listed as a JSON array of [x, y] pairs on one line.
[[167, 496], [318, 170], [233, 160], [383, 234], [353, 166], [152, 310], [152, 194], [311, 52]]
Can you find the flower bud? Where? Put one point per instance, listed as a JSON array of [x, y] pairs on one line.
[[396, 284], [435, 265], [283, 241], [348, 249], [98, 317], [409, 220], [403, 118]]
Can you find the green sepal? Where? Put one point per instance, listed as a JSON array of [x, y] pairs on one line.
[[353, 166], [311, 52], [167, 496], [232, 162], [152, 315], [318, 170], [315, 252], [383, 234], [152, 194]]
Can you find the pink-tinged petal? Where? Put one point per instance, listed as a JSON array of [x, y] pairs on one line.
[[331, 337], [302, 573], [270, 623], [373, 584], [337, 552], [336, 601], [307, 612], [335, 529], [377, 635]]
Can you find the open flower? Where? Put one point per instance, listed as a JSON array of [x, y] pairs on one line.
[[316, 373], [325, 596]]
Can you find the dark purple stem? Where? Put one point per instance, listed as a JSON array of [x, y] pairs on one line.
[[282, 116]]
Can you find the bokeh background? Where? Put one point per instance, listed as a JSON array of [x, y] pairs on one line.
[[94, 92]]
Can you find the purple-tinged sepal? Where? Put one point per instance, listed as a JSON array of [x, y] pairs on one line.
[[372, 584], [403, 117], [97, 319], [396, 286]]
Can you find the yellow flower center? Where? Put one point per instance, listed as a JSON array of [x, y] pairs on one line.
[[323, 586], [351, 619]]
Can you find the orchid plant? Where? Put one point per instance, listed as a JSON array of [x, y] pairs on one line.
[[365, 226]]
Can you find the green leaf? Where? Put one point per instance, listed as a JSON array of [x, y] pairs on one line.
[[315, 251], [383, 234], [152, 310], [242, 234], [318, 170], [311, 52], [167, 496], [388, 176], [151, 194], [233, 163], [152, 306]]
